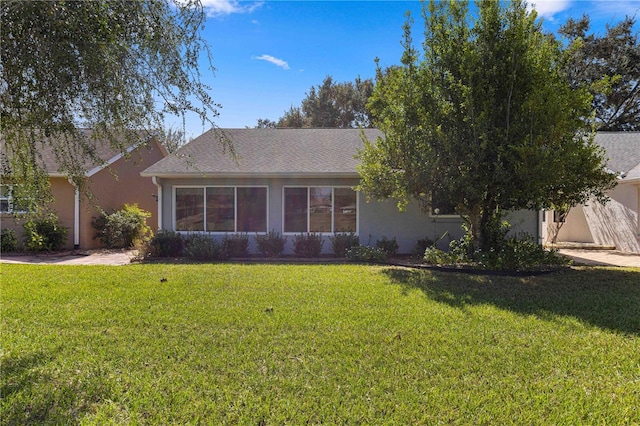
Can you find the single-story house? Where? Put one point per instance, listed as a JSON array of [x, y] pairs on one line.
[[617, 223], [291, 181], [114, 181]]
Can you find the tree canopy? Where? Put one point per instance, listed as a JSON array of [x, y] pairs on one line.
[[610, 66], [484, 120], [331, 105], [116, 67]]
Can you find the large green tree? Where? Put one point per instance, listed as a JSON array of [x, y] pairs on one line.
[[484, 120], [117, 67], [330, 105], [609, 64]]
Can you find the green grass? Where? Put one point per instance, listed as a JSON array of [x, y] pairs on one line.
[[330, 344]]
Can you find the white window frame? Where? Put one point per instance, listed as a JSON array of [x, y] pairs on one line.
[[333, 200], [235, 208], [9, 199]]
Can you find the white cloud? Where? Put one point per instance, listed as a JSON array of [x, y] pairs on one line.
[[548, 8], [279, 62], [227, 7]]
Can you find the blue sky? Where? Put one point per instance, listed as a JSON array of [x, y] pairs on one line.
[[268, 54]]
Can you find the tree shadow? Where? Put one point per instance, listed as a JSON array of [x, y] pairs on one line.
[[603, 297], [32, 394]]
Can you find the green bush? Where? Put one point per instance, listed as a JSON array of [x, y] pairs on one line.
[[122, 228], [235, 245], [202, 247], [271, 244], [44, 233], [390, 246], [166, 244], [308, 245], [340, 243], [8, 240], [366, 254], [422, 245]]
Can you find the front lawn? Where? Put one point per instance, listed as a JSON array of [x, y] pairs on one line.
[[331, 344]]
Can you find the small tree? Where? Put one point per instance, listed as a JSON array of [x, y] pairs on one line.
[[486, 119]]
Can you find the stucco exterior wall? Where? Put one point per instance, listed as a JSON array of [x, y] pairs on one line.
[[375, 219]]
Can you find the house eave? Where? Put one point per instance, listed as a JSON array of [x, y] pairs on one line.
[[210, 175]]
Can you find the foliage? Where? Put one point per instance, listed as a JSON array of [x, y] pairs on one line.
[[341, 242], [166, 244], [202, 247], [366, 254], [172, 139], [515, 253], [8, 240], [609, 65], [44, 233], [271, 244], [390, 246], [331, 105], [235, 245], [481, 118], [308, 245], [422, 244], [122, 228], [102, 65], [402, 346]]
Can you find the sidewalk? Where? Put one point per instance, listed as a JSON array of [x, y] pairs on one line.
[[93, 257], [602, 257]]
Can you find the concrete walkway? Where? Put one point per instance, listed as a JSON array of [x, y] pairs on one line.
[[93, 257], [602, 257]]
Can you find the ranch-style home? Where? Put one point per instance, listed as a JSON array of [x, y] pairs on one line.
[[617, 223], [292, 181], [114, 181]]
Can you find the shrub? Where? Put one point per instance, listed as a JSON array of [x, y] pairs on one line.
[[166, 244], [8, 240], [235, 245], [202, 247], [435, 256], [390, 246], [366, 254], [122, 228], [340, 243], [271, 244], [422, 245], [44, 233], [308, 245]]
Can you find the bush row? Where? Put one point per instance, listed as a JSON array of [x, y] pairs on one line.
[[40, 233]]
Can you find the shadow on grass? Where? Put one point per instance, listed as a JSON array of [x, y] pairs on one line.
[[32, 394], [606, 298]]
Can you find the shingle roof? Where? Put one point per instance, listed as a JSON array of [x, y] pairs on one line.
[[622, 150], [272, 152]]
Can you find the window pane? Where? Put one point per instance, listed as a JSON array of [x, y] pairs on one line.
[[189, 209], [252, 209], [295, 210], [220, 209], [320, 210], [441, 204], [345, 210]]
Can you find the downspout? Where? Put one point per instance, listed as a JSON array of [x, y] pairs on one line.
[[76, 215], [156, 182]]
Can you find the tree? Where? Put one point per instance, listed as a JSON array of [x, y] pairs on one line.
[[117, 67], [172, 139], [610, 66], [486, 120], [331, 105]]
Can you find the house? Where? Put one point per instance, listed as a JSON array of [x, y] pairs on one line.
[[292, 181], [113, 182], [617, 223]]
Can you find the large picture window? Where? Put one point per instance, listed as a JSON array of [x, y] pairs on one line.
[[221, 209], [320, 209]]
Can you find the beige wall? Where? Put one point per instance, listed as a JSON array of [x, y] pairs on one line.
[[121, 184]]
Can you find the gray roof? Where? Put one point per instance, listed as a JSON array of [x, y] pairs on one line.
[[622, 150], [267, 152]]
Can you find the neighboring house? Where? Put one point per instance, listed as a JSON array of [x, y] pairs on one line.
[[113, 182], [617, 223], [292, 181]]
